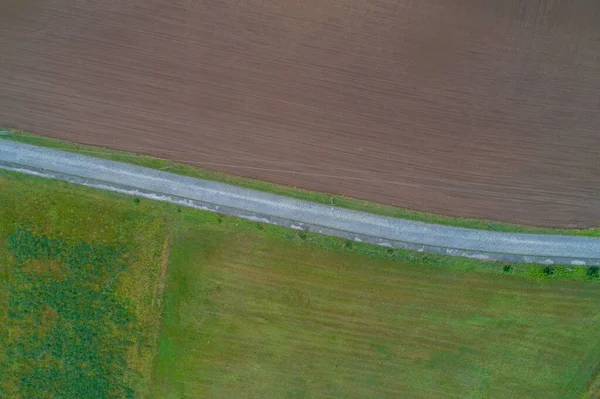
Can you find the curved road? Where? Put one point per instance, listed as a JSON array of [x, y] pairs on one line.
[[297, 214]]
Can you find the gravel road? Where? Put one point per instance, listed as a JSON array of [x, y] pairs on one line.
[[301, 215]]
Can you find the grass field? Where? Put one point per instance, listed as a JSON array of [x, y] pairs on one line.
[[79, 291], [101, 293], [253, 315], [323, 198]]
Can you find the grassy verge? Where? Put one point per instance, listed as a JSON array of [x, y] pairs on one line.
[[253, 310], [322, 198]]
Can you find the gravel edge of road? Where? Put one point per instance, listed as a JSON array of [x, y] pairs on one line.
[[297, 214]]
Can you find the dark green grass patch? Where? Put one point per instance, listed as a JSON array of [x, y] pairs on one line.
[[62, 310]]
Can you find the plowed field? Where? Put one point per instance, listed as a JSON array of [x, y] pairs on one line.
[[485, 109]]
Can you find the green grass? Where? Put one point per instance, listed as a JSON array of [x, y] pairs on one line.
[[258, 314], [252, 310], [322, 198], [78, 298], [62, 309]]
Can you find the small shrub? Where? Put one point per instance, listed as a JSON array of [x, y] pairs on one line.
[[390, 251], [303, 236], [136, 201], [260, 226], [548, 271], [348, 244], [507, 269], [593, 272], [178, 209]]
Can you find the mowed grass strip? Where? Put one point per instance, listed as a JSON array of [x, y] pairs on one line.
[[79, 271], [255, 313]]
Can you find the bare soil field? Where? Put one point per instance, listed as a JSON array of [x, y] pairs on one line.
[[484, 109]]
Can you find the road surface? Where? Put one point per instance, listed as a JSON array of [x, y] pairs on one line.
[[297, 214]]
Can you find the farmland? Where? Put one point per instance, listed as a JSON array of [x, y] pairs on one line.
[[478, 109], [184, 303], [480, 114]]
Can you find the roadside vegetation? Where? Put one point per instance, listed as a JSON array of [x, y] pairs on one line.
[[105, 295], [323, 198]]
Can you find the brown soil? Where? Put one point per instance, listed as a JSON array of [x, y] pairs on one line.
[[475, 108]]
